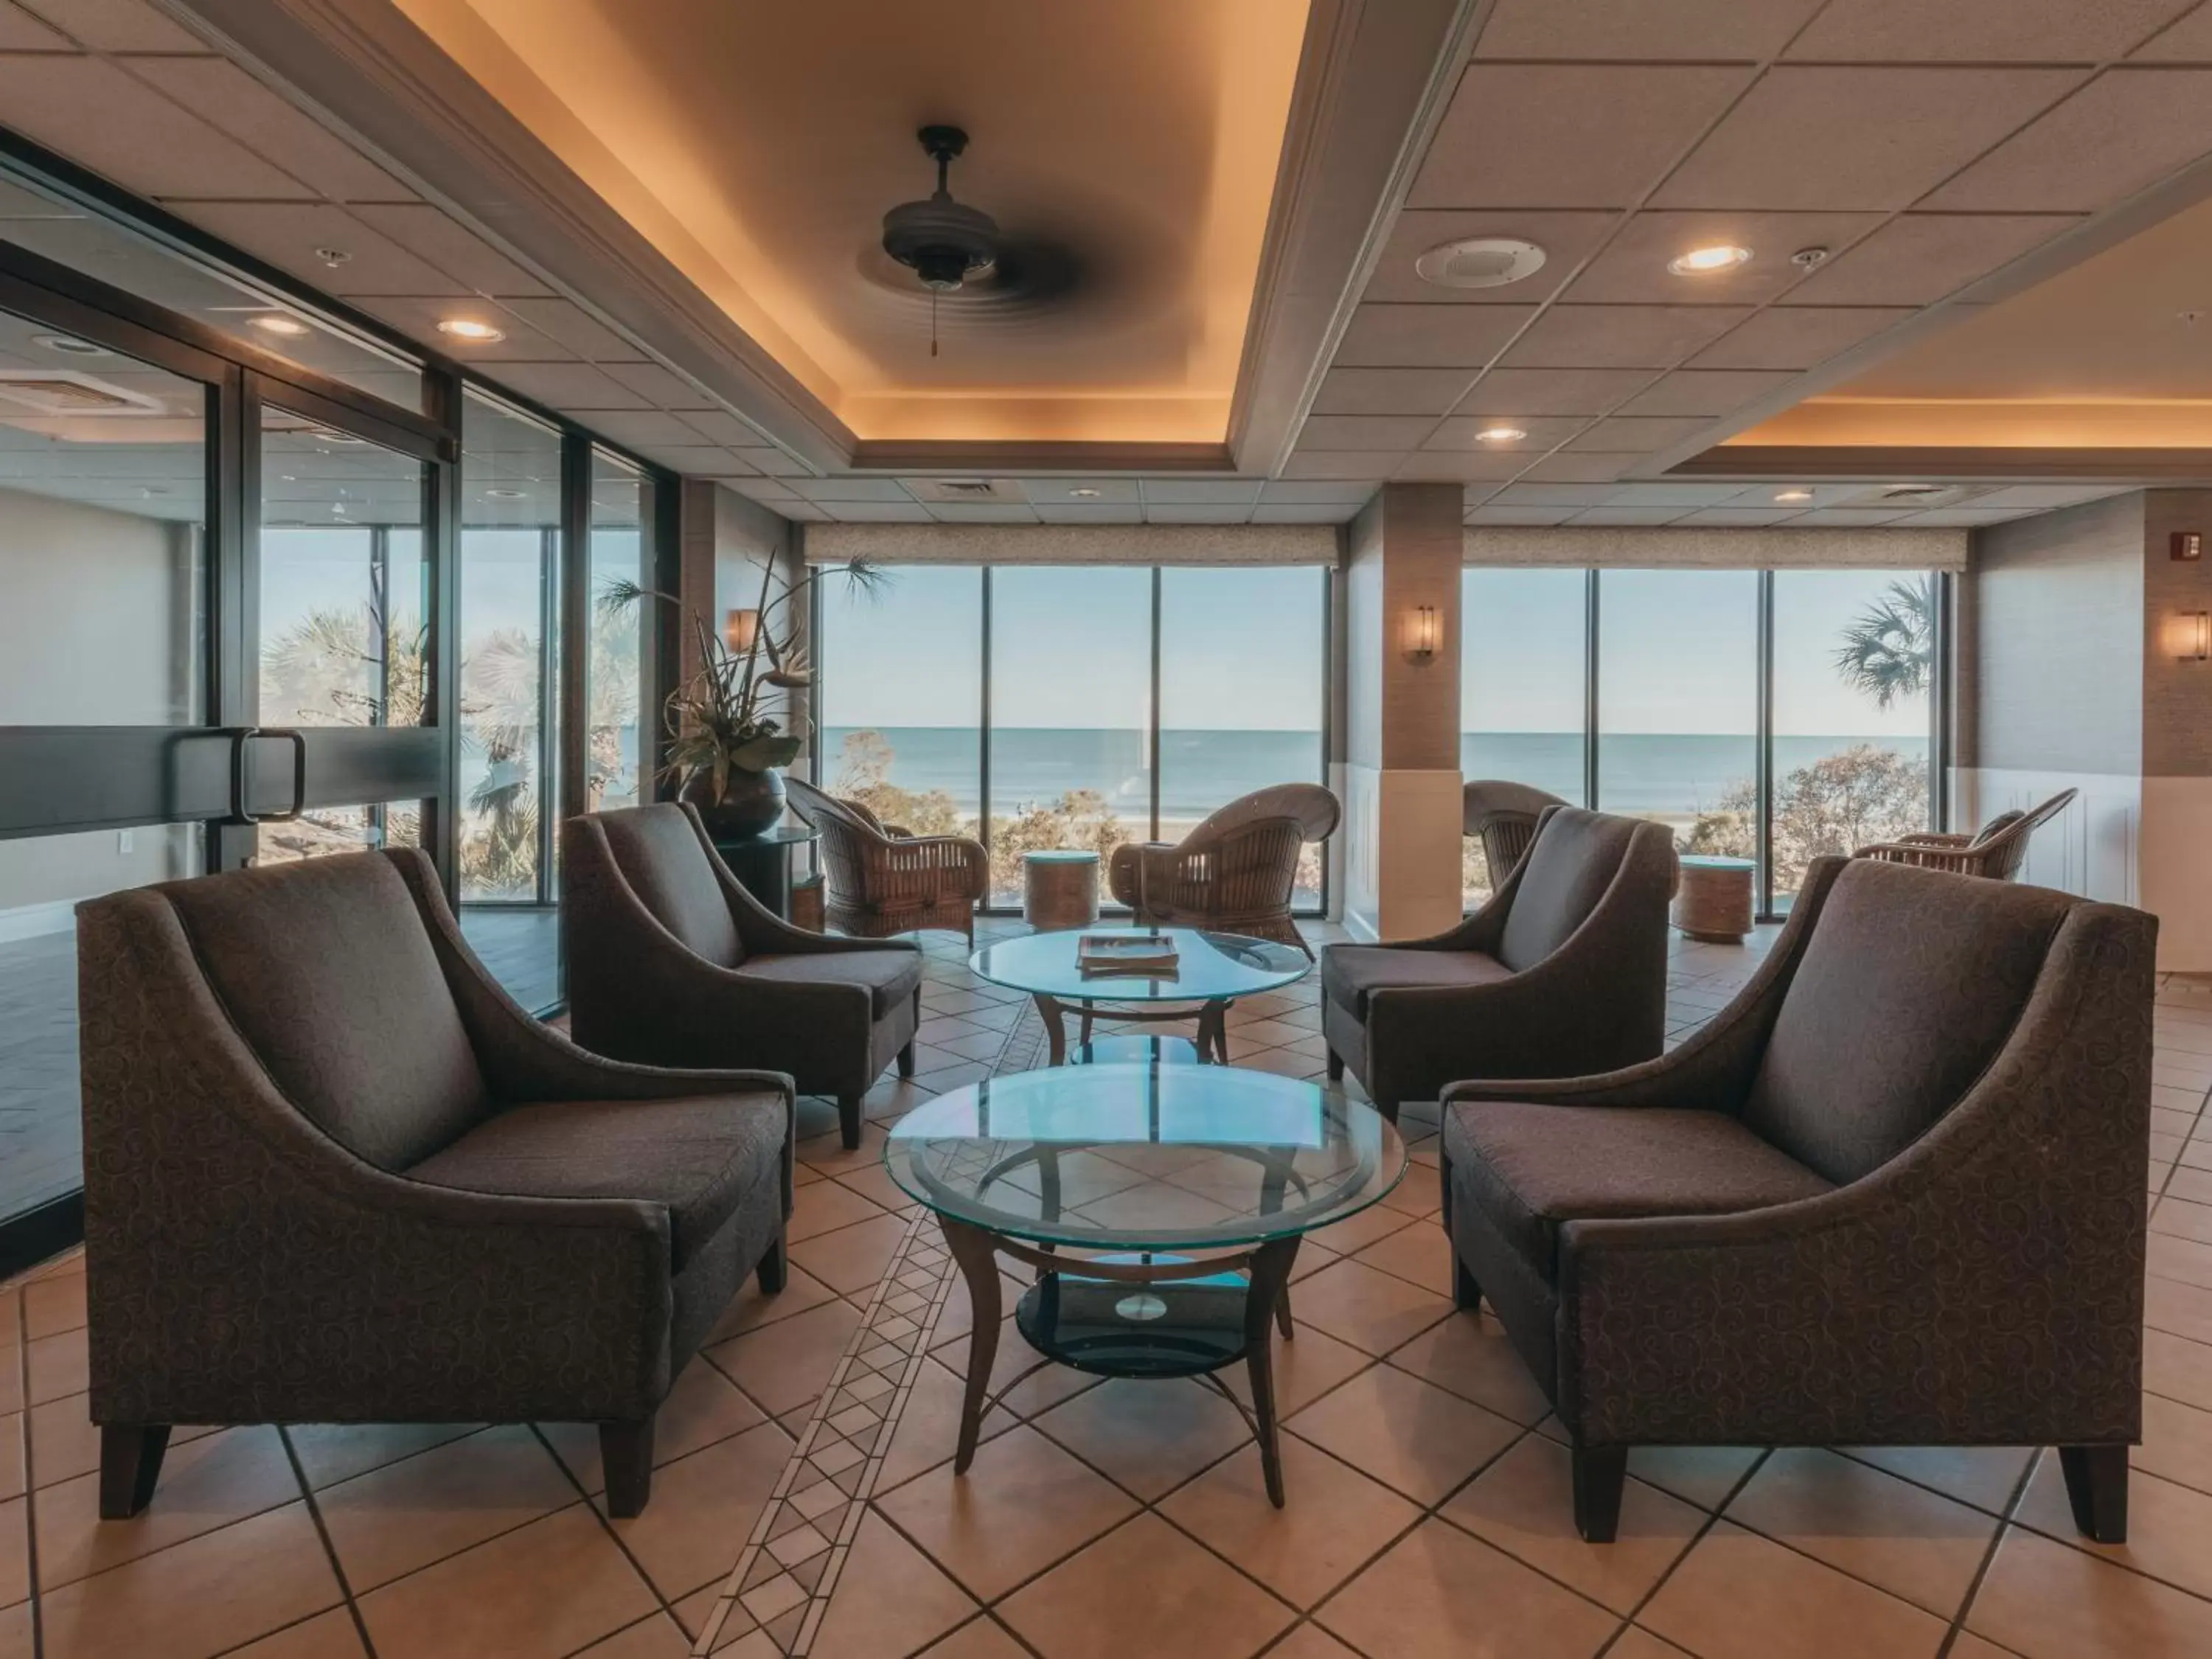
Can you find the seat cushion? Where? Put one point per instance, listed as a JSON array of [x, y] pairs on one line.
[[1574, 858], [891, 976], [703, 1156], [669, 868], [1531, 1166], [1350, 973]]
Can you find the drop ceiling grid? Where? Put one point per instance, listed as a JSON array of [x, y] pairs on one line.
[[265, 177], [1513, 21]]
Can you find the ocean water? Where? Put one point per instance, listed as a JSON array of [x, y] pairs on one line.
[[1656, 773]]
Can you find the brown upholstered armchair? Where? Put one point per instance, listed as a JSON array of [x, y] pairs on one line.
[[1236, 872], [1502, 815], [1997, 850], [1893, 1194], [671, 963], [334, 1174], [884, 879], [1567, 963]]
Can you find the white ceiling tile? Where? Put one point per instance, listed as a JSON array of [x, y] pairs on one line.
[[1101, 491], [117, 25], [466, 257], [1546, 432], [1798, 337], [91, 112], [577, 387], [1640, 434], [1090, 512], [983, 512], [1364, 466], [1567, 239], [769, 491], [642, 428], [1395, 432], [1856, 139], [20, 32], [1212, 491], [1739, 517], [1982, 31], [1670, 495], [1706, 392], [287, 234], [418, 319], [1197, 512], [1573, 496], [2126, 130], [2041, 497], [1527, 517], [1632, 270], [1565, 468], [1921, 257], [1627, 515], [1311, 513], [693, 460], [1962, 518], [1531, 135], [1428, 337], [1762, 496], [221, 92], [1277, 493], [1518, 392], [1619, 337], [662, 389], [717, 426], [1462, 466], [802, 512], [853, 489], [1390, 391], [1845, 518], [567, 323], [908, 511], [1642, 30]]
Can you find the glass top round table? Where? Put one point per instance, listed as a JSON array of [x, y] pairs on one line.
[[1161, 1207], [1212, 969]]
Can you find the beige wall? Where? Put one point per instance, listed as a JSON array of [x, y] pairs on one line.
[[96, 628]]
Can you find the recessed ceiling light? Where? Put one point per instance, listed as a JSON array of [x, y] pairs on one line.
[[1500, 435], [1706, 261], [1795, 495], [277, 323], [69, 346], [1084, 493], [1480, 262], [468, 328]]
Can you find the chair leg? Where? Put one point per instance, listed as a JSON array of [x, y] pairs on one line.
[[1599, 1473], [1335, 1066], [849, 1121], [2097, 1486], [774, 1269], [130, 1464], [906, 1060], [1466, 1289], [626, 1453]]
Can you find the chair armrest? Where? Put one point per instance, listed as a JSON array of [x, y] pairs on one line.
[[767, 933]]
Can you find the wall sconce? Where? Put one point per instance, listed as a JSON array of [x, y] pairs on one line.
[[1424, 633], [2187, 635], [740, 629]]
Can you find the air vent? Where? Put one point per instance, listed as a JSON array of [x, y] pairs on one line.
[[966, 489], [68, 392], [1902, 496]]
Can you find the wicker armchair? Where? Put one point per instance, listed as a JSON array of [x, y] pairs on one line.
[[1996, 850], [1502, 816], [1234, 873], [883, 879]]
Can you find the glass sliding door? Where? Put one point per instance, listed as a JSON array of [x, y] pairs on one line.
[[1678, 703], [1524, 689], [900, 672], [616, 753], [1244, 660], [1853, 664], [1070, 652]]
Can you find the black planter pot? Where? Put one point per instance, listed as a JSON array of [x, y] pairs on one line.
[[751, 804]]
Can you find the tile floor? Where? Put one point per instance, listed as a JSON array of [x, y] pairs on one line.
[[1428, 1512]]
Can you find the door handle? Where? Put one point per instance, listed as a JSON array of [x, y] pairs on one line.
[[240, 736]]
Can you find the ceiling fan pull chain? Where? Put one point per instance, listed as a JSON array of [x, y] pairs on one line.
[[933, 322]]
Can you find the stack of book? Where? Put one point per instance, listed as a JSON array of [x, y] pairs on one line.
[[1149, 956]]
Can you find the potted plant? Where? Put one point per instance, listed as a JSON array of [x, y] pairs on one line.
[[732, 726]]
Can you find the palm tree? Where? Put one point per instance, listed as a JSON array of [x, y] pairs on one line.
[[1889, 650]]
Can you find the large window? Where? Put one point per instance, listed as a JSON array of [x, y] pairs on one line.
[[612, 746], [1085, 706], [1854, 653], [1524, 689]]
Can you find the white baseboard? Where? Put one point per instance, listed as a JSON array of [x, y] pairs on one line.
[[37, 921]]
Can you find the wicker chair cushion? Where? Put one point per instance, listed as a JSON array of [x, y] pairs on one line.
[[1907, 989], [326, 970], [666, 866], [1531, 1167], [890, 976], [1576, 856]]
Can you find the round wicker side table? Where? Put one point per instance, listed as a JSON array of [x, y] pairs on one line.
[[1713, 903], [1059, 889]]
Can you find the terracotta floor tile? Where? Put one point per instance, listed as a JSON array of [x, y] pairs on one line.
[[11, 1454], [904, 1603], [1442, 1593], [1147, 1437], [1041, 1390], [58, 1366], [875, 1184], [1306, 1367], [203, 1595], [979, 1639], [1524, 1504], [1333, 1519], [1372, 1310], [752, 1308], [16, 1632], [2177, 1442], [1897, 1536], [1405, 1433], [1738, 1596], [2169, 1526], [657, 1637], [331, 1635], [331, 1452], [1474, 1358], [1983, 1476], [1635, 1643], [2045, 1601], [704, 1406], [14, 1551], [205, 1484], [929, 1429], [703, 1510], [547, 1590], [785, 1364], [52, 1306], [1145, 1588], [1022, 1505], [1419, 1253], [2183, 1310], [1310, 1642], [824, 1208], [2178, 1368], [408, 1513], [851, 1259]]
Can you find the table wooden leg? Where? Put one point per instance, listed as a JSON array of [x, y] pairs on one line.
[[1213, 1032], [1270, 1273], [1049, 1009], [972, 1249]]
